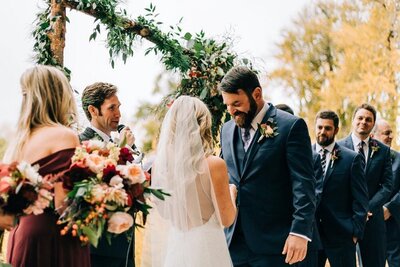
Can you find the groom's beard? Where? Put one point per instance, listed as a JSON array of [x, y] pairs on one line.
[[244, 119]]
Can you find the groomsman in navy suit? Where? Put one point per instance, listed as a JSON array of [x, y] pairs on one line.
[[379, 177], [342, 212], [269, 158], [101, 106], [391, 210]]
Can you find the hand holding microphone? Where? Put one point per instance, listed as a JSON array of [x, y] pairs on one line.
[[127, 134]]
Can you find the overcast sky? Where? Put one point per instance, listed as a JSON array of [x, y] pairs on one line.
[[256, 26]]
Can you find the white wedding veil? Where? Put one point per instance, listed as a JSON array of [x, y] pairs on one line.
[[184, 227]]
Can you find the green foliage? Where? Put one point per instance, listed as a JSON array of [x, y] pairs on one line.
[[43, 54], [201, 64]]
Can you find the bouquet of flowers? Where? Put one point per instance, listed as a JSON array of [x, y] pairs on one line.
[[23, 190], [107, 190]]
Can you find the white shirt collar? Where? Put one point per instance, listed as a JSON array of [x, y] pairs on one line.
[[357, 140], [104, 136], [329, 148], [259, 117]]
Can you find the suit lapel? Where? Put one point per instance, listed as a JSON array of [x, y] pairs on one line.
[[369, 158], [349, 143], [231, 132], [255, 145], [331, 166]]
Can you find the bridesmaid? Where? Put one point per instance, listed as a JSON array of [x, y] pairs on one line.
[[44, 137]]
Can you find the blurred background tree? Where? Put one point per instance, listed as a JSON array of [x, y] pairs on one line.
[[337, 55]]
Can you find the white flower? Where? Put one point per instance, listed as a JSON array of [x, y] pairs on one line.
[[95, 162], [98, 193], [116, 181], [30, 172], [119, 222], [116, 195], [94, 144]]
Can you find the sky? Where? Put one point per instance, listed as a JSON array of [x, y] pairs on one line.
[[255, 25]]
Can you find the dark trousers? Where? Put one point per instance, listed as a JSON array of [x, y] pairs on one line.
[[340, 256], [373, 244], [393, 242], [102, 261], [242, 256], [311, 259]]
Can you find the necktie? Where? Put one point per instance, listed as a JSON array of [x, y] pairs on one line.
[[323, 159], [246, 136], [360, 148]]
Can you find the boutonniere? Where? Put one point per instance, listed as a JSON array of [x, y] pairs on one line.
[[334, 156], [374, 147], [268, 129], [392, 155]]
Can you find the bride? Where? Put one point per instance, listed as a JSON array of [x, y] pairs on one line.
[[187, 228]]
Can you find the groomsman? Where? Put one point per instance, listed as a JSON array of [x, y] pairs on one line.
[[342, 212], [391, 210], [101, 105], [379, 177]]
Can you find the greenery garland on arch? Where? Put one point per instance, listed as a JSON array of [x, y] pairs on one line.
[[201, 64]]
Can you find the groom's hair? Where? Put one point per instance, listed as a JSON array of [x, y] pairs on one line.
[[95, 94], [328, 115], [239, 78]]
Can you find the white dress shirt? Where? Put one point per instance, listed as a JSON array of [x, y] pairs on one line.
[[104, 136], [357, 141], [254, 124], [329, 150]]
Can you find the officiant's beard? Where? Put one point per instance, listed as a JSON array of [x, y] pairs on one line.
[[244, 119]]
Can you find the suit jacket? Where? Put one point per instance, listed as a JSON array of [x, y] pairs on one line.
[[120, 245], [394, 204], [378, 173], [275, 181], [342, 212]]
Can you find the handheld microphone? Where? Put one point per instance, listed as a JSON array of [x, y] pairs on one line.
[[136, 151]]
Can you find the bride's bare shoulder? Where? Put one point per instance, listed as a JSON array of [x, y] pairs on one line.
[[216, 164]]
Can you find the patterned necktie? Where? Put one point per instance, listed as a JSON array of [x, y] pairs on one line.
[[323, 159], [246, 137], [360, 149]]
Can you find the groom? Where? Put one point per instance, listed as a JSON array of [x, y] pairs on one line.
[[269, 159], [101, 105]]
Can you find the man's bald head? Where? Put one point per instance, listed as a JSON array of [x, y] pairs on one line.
[[383, 132]]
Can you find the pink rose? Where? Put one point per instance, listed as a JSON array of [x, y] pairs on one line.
[[5, 184], [119, 222]]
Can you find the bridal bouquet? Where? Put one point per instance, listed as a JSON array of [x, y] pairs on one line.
[[23, 190], [107, 190]]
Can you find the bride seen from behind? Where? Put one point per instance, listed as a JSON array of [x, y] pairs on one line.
[[187, 228], [44, 137]]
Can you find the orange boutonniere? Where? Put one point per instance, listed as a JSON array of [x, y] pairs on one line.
[[267, 130], [334, 156]]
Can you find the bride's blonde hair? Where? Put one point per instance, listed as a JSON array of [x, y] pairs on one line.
[[47, 100]]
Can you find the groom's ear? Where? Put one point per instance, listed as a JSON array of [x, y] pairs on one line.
[[257, 93]]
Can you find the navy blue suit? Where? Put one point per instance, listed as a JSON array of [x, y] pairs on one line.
[[311, 259], [342, 212], [393, 223], [379, 177], [121, 251], [275, 181]]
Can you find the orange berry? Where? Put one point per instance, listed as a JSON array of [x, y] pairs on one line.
[[75, 226], [63, 232], [73, 232]]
